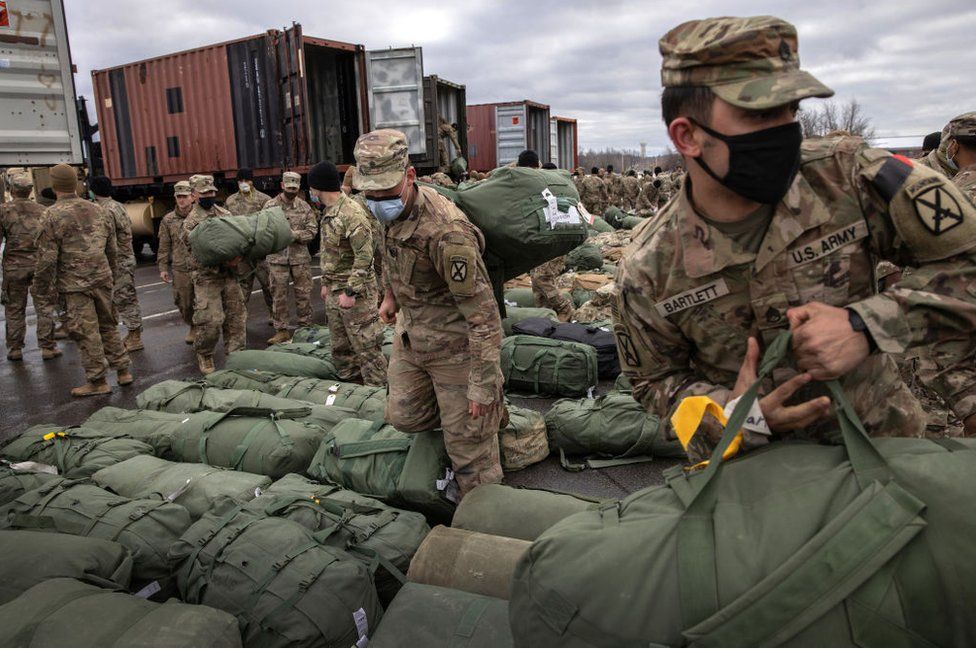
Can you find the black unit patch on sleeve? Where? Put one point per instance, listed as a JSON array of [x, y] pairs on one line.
[[891, 177]]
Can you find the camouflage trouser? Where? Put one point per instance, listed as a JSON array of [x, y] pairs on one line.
[[125, 299], [545, 292], [17, 283], [183, 294], [423, 396], [593, 205], [261, 273], [92, 324], [218, 307], [301, 275], [357, 339]]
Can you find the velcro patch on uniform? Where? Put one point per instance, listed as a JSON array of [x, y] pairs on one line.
[[890, 178], [460, 268], [937, 209], [824, 246], [692, 297]]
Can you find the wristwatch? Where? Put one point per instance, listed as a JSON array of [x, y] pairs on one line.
[[858, 325], [348, 291]]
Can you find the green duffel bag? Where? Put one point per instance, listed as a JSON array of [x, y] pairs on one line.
[[581, 296], [29, 558], [71, 613], [15, 482], [280, 363], [609, 269], [253, 236], [191, 485], [523, 442], [145, 527], [631, 222], [366, 401], [622, 384], [388, 334], [320, 334], [614, 216], [76, 452], [285, 588], [368, 529], [244, 380], [516, 314], [310, 350], [149, 426], [610, 430], [258, 440], [180, 396], [411, 471], [520, 297], [600, 225], [866, 543], [545, 366], [432, 616], [585, 257], [516, 512]]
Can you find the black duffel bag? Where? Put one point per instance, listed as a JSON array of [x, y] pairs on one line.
[[599, 338]]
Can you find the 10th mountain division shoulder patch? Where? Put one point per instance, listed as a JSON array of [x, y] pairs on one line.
[[937, 209]]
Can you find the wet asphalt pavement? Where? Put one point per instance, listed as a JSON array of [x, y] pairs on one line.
[[37, 392]]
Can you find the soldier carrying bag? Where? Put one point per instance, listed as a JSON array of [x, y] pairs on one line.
[[254, 236]]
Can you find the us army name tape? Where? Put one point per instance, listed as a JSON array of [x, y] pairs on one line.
[[692, 297], [828, 244]]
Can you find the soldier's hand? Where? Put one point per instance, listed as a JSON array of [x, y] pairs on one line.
[[346, 301], [824, 343], [165, 276], [780, 417], [324, 292], [477, 410], [388, 309]]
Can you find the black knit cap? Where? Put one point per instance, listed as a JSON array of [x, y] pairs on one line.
[[528, 158], [324, 177], [932, 141], [101, 186], [245, 174], [549, 165]]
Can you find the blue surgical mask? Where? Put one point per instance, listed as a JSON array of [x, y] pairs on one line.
[[386, 210]]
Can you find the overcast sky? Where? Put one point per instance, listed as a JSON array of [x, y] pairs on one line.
[[911, 64]]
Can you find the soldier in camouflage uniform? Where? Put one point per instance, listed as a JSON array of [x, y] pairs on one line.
[[348, 281], [293, 264], [593, 193], [545, 291], [374, 225], [76, 252], [648, 198], [124, 293], [218, 304], [445, 369], [936, 159], [21, 221], [448, 131], [614, 184], [173, 256], [961, 152], [793, 245], [630, 191], [248, 200]]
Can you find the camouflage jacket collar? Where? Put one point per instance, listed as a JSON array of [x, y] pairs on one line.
[[331, 212], [706, 251]]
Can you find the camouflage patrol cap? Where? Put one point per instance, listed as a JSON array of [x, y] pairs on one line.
[[202, 183], [182, 188], [291, 180], [752, 63], [20, 180], [381, 160], [963, 125]]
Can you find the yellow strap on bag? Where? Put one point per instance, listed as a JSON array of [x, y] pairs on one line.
[[688, 417]]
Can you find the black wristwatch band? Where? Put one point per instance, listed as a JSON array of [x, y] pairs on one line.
[[858, 324], [351, 293]]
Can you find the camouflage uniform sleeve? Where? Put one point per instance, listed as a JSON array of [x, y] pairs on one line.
[[123, 228], [457, 258], [165, 244], [190, 222], [361, 240], [308, 227], [918, 218], [654, 353], [45, 268], [112, 251]]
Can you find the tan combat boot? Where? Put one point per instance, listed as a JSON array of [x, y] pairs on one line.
[[92, 389], [48, 354], [191, 336], [206, 364], [279, 337], [133, 341], [125, 377], [15, 355]]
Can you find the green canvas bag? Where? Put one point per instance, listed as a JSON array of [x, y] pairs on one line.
[[154, 428], [29, 558], [194, 486], [370, 530], [631, 222], [145, 527], [600, 226], [280, 363], [243, 380], [181, 396], [584, 257], [516, 512], [516, 314], [520, 297], [366, 401], [523, 441], [284, 587], [309, 349], [550, 367], [404, 470], [220, 239], [866, 543], [14, 482], [77, 452], [433, 616], [71, 613], [610, 430], [313, 334]]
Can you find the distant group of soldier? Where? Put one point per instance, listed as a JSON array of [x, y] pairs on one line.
[[643, 195]]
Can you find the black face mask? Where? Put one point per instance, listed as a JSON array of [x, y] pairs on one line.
[[762, 164], [206, 202]]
